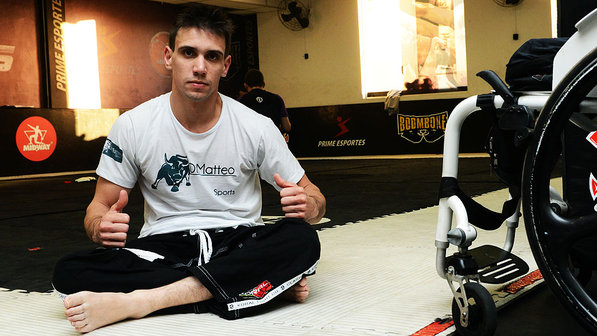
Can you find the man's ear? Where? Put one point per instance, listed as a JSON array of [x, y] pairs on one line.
[[227, 62], [168, 57]]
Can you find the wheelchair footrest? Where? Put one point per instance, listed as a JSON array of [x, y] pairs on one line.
[[497, 265]]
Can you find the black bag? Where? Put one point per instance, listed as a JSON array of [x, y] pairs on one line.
[[531, 67], [507, 142]]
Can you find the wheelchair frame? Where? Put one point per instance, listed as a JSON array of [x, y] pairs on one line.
[[463, 279]]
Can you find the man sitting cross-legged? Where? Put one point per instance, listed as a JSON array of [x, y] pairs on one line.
[[197, 156]]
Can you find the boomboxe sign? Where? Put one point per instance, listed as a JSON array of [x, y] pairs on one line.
[[367, 129]]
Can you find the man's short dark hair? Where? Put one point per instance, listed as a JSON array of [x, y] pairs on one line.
[[254, 78], [211, 19]]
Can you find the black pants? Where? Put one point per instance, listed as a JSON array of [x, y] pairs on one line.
[[249, 266]]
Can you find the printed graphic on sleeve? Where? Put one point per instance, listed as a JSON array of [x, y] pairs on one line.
[[112, 150], [36, 138]]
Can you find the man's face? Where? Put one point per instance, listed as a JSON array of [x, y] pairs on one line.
[[197, 63]]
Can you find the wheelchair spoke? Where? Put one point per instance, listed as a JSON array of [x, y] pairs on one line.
[[580, 227], [566, 231]]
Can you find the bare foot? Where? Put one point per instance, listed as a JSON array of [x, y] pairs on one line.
[[88, 311], [297, 293]]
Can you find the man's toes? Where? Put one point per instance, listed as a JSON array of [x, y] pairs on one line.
[[302, 296], [79, 324], [77, 310], [78, 317], [73, 300]]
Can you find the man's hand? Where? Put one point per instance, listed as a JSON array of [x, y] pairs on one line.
[[302, 200], [114, 225], [293, 198]]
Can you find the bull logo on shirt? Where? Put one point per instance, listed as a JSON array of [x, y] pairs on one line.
[[174, 170]]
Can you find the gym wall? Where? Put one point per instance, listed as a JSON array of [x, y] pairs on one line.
[[323, 93], [20, 67], [332, 73], [40, 134]]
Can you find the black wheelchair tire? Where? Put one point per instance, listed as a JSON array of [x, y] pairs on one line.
[[550, 235], [482, 320]]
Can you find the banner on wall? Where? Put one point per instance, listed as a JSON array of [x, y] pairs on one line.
[[345, 136], [41, 141], [367, 129], [36, 138], [342, 130], [55, 15], [427, 128]]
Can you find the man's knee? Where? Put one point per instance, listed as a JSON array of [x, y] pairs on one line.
[[79, 271], [63, 278], [302, 233]]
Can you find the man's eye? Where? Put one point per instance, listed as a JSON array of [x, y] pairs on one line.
[[188, 52], [212, 56]]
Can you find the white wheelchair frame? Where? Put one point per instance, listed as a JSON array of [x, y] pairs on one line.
[[453, 225]]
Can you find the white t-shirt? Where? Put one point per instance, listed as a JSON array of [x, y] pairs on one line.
[[196, 180]]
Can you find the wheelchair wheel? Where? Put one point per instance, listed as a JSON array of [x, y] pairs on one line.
[[552, 236], [482, 318]]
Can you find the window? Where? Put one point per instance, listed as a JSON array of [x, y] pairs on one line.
[[417, 46]]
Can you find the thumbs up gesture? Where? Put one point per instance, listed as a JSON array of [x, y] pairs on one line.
[[114, 225], [292, 197]]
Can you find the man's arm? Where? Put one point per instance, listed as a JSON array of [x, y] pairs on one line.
[[285, 124], [105, 223], [284, 120], [301, 200]]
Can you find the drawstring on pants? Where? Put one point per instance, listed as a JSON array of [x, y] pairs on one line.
[[204, 245]]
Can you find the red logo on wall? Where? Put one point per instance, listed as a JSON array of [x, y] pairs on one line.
[[342, 126], [36, 138]]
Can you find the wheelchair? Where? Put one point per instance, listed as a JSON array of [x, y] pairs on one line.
[[537, 135]]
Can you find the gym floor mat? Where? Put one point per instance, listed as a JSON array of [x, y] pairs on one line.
[[376, 275]]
